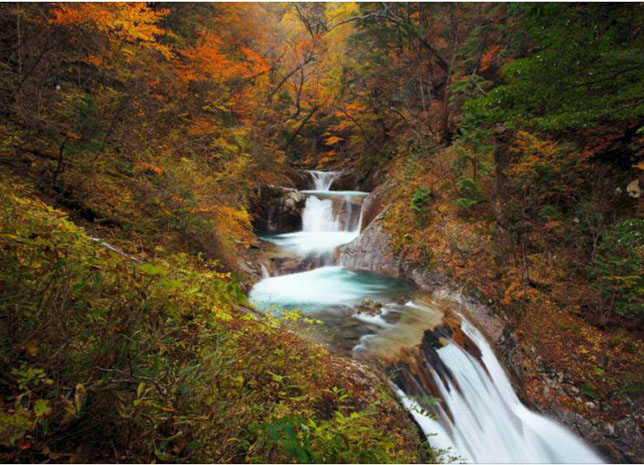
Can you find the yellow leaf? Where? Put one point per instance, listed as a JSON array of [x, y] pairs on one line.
[[332, 140], [31, 349]]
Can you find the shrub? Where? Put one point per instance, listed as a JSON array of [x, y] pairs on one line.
[[419, 202], [618, 268], [470, 194], [346, 437]]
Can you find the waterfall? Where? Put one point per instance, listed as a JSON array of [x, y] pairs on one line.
[[322, 179], [329, 211], [265, 273], [318, 216], [482, 420], [479, 418], [329, 220]]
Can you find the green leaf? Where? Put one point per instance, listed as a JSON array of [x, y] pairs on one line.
[[42, 408], [79, 396], [152, 270]]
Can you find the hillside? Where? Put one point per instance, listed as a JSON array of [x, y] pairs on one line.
[[146, 147]]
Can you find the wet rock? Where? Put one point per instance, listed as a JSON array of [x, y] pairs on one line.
[[278, 209], [369, 307], [633, 189], [372, 206], [246, 267], [370, 252], [345, 181], [349, 179], [401, 299], [620, 441]]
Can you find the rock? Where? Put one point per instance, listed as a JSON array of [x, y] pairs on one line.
[[278, 209], [633, 189], [370, 251], [371, 303], [349, 180], [345, 181], [621, 442], [629, 439], [370, 307]]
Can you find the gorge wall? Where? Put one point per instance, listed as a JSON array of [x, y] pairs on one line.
[[618, 441]]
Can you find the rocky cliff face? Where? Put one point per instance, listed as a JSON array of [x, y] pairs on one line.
[[370, 252], [620, 441]]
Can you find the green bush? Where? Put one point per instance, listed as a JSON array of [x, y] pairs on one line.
[[618, 268], [470, 194], [347, 437], [419, 202]]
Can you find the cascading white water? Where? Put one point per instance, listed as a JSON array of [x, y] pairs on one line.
[[318, 216], [488, 422], [322, 179], [265, 273], [329, 219]]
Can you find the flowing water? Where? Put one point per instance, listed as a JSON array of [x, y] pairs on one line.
[[330, 219], [478, 418]]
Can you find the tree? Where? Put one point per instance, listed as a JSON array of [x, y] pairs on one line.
[[579, 65]]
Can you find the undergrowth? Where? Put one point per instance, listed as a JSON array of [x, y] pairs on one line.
[[103, 358]]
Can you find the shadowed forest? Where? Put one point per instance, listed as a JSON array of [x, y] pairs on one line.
[[142, 146]]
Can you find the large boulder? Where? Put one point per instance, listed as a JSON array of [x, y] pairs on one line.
[[278, 209], [372, 206], [370, 252], [346, 180], [359, 178]]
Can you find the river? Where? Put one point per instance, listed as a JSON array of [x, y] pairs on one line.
[[430, 347]]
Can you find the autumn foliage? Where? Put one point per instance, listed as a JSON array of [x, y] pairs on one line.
[[507, 140]]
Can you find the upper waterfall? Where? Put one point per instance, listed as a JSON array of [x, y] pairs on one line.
[[322, 179], [329, 220]]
